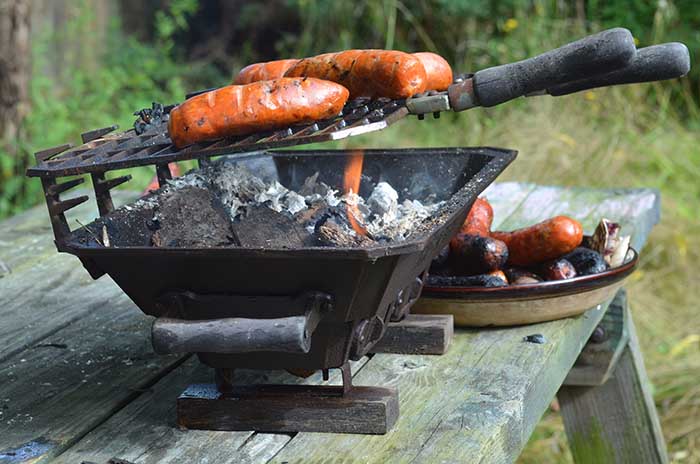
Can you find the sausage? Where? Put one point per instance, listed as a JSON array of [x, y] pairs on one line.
[[586, 261], [244, 109], [440, 263], [558, 269], [482, 280], [473, 254], [479, 219], [264, 71], [499, 274], [437, 70], [518, 276], [367, 73], [544, 241]]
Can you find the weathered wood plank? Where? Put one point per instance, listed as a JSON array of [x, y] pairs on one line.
[[27, 237], [616, 421], [37, 280], [59, 389], [482, 398], [144, 432], [505, 198], [417, 334]]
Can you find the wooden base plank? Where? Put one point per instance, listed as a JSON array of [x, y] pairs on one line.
[[417, 334], [60, 389], [289, 408]]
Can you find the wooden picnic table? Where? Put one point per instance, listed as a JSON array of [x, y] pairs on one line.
[[79, 381]]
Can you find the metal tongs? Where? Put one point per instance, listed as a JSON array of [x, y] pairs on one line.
[[603, 59]]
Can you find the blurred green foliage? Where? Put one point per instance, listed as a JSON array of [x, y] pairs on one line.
[[471, 34], [85, 96]]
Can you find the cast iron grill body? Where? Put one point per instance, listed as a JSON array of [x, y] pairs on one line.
[[368, 286]]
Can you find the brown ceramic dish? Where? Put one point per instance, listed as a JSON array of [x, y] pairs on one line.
[[525, 304]]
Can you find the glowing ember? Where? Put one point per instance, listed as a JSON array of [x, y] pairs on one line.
[[351, 187]]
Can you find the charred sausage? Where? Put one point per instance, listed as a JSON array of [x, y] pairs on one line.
[[479, 219], [367, 73], [544, 241], [500, 274], [244, 109], [437, 70], [264, 71], [586, 261], [482, 280], [558, 269], [474, 254], [518, 276]]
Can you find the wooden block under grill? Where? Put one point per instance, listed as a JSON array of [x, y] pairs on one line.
[[289, 408], [417, 334]]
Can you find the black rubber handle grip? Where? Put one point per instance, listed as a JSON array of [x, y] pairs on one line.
[[596, 54], [655, 63]]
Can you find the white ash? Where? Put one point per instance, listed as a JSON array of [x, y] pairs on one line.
[[381, 214]]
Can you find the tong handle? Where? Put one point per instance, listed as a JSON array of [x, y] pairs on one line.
[[596, 54], [655, 63]]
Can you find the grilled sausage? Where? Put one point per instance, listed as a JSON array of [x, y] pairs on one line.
[[558, 269], [264, 71], [482, 280], [367, 73], [586, 261], [437, 70], [518, 276], [544, 241], [473, 254], [479, 219], [244, 109], [499, 274]]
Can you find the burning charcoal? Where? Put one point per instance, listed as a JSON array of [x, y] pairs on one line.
[[124, 227], [331, 233], [586, 261], [483, 280], [192, 217], [294, 202], [384, 202], [263, 227]]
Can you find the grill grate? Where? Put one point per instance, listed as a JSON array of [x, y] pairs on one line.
[[103, 152]]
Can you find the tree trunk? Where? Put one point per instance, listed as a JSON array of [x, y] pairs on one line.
[[14, 69]]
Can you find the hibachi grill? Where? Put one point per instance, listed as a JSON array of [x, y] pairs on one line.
[[318, 302]]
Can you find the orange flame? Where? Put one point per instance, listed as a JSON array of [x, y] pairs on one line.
[[351, 183]]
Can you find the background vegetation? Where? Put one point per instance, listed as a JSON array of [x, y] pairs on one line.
[[643, 135]]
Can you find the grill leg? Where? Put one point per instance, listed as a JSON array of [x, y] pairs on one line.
[[347, 378], [224, 380]]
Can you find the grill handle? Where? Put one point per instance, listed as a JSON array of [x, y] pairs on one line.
[[230, 335], [595, 54], [655, 63]]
